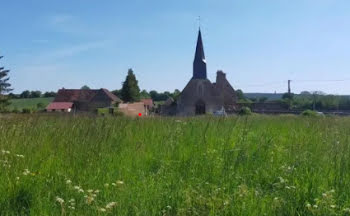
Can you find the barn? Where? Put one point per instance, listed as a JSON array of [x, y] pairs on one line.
[[82, 100]]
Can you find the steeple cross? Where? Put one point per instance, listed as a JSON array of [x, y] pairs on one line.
[[199, 21]]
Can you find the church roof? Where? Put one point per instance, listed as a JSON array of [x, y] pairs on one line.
[[199, 63], [199, 55]]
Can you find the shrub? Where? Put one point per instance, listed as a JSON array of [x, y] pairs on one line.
[[40, 106], [16, 110], [118, 113], [309, 113], [27, 110], [102, 111], [245, 111]]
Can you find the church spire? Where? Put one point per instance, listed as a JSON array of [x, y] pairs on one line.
[[199, 64]]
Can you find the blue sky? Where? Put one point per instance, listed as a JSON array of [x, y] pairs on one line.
[[259, 44]]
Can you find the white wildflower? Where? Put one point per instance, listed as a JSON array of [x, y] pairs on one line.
[[89, 199], [281, 179], [97, 191], [90, 191], [60, 200], [347, 210], [26, 172], [332, 206], [114, 184], [106, 185], [315, 206], [5, 152], [111, 205], [68, 182], [120, 182], [308, 205], [102, 209]]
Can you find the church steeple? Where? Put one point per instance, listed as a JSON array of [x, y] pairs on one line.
[[199, 64]]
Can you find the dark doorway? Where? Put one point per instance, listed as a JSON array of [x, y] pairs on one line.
[[200, 107]]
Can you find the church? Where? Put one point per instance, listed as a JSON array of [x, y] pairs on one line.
[[200, 96]]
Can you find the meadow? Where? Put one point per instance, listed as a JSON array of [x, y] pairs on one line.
[[29, 103], [248, 165]]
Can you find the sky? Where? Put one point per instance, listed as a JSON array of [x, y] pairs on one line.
[[259, 44]]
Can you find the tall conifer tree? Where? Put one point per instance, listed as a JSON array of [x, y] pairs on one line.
[[130, 91], [4, 88]]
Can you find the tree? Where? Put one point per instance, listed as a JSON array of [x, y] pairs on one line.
[[240, 94], [130, 91], [154, 95], [176, 94], [305, 93], [49, 94], [263, 99], [13, 96], [4, 88], [287, 95], [144, 94], [85, 87], [117, 93], [35, 94], [25, 94]]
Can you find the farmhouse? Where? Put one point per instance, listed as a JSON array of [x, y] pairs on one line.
[[82, 100], [200, 96], [60, 107]]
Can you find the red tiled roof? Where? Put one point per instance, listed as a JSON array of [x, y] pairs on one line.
[[148, 102], [82, 95], [59, 105]]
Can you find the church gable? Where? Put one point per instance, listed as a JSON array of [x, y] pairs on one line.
[[200, 96]]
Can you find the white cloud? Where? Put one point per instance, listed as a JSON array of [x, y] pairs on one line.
[[65, 23], [69, 51], [59, 19]]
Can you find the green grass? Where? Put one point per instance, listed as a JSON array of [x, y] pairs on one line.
[[30, 103], [250, 165]]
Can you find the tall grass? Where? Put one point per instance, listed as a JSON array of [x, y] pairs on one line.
[[255, 165]]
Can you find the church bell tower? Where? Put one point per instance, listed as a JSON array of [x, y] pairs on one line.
[[199, 63]]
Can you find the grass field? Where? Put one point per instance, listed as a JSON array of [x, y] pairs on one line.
[[30, 103], [256, 165]]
